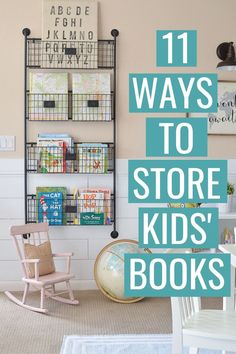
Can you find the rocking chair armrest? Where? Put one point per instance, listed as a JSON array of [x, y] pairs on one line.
[[30, 260], [36, 266], [69, 254], [65, 255]]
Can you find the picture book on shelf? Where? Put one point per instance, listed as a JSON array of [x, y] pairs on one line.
[[51, 156], [92, 158], [106, 202], [91, 208], [50, 207], [47, 141], [48, 96], [68, 140], [91, 99]]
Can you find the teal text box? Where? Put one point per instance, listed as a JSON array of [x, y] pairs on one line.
[[178, 227], [184, 130], [145, 187], [205, 275], [175, 48], [151, 93]]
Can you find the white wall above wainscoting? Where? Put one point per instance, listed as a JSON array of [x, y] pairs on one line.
[[87, 241]]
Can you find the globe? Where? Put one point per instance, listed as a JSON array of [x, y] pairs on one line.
[[109, 269]]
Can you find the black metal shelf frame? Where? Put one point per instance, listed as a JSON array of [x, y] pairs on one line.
[[39, 54], [76, 159], [72, 209], [71, 55], [69, 106]]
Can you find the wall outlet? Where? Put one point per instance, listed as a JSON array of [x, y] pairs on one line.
[[7, 142]]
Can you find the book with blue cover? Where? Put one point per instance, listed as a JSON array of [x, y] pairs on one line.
[[92, 158], [50, 205]]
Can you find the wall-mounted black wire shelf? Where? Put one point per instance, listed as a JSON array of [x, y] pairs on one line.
[[70, 211], [70, 55], [40, 54], [70, 106], [56, 157]]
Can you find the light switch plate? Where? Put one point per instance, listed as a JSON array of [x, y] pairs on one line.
[[7, 142]]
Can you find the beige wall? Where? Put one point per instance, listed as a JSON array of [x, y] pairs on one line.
[[137, 21]]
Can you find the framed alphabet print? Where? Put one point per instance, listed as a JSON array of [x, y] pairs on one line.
[[69, 34], [222, 122]]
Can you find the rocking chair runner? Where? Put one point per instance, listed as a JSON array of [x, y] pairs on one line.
[[37, 235]]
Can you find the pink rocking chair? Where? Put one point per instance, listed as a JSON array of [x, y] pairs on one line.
[[34, 237]]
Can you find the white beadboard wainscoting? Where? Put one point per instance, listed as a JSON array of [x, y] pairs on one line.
[[85, 241]]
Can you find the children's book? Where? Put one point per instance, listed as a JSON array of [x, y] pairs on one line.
[[92, 158], [51, 139], [91, 98], [91, 208], [61, 136], [51, 156], [48, 96], [107, 207], [50, 205]]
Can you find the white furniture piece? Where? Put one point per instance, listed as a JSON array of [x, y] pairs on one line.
[[37, 234], [229, 302], [196, 328]]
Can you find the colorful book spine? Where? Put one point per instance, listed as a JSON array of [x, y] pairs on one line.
[[53, 135], [57, 137]]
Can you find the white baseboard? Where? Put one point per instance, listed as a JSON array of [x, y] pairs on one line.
[[76, 285]]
